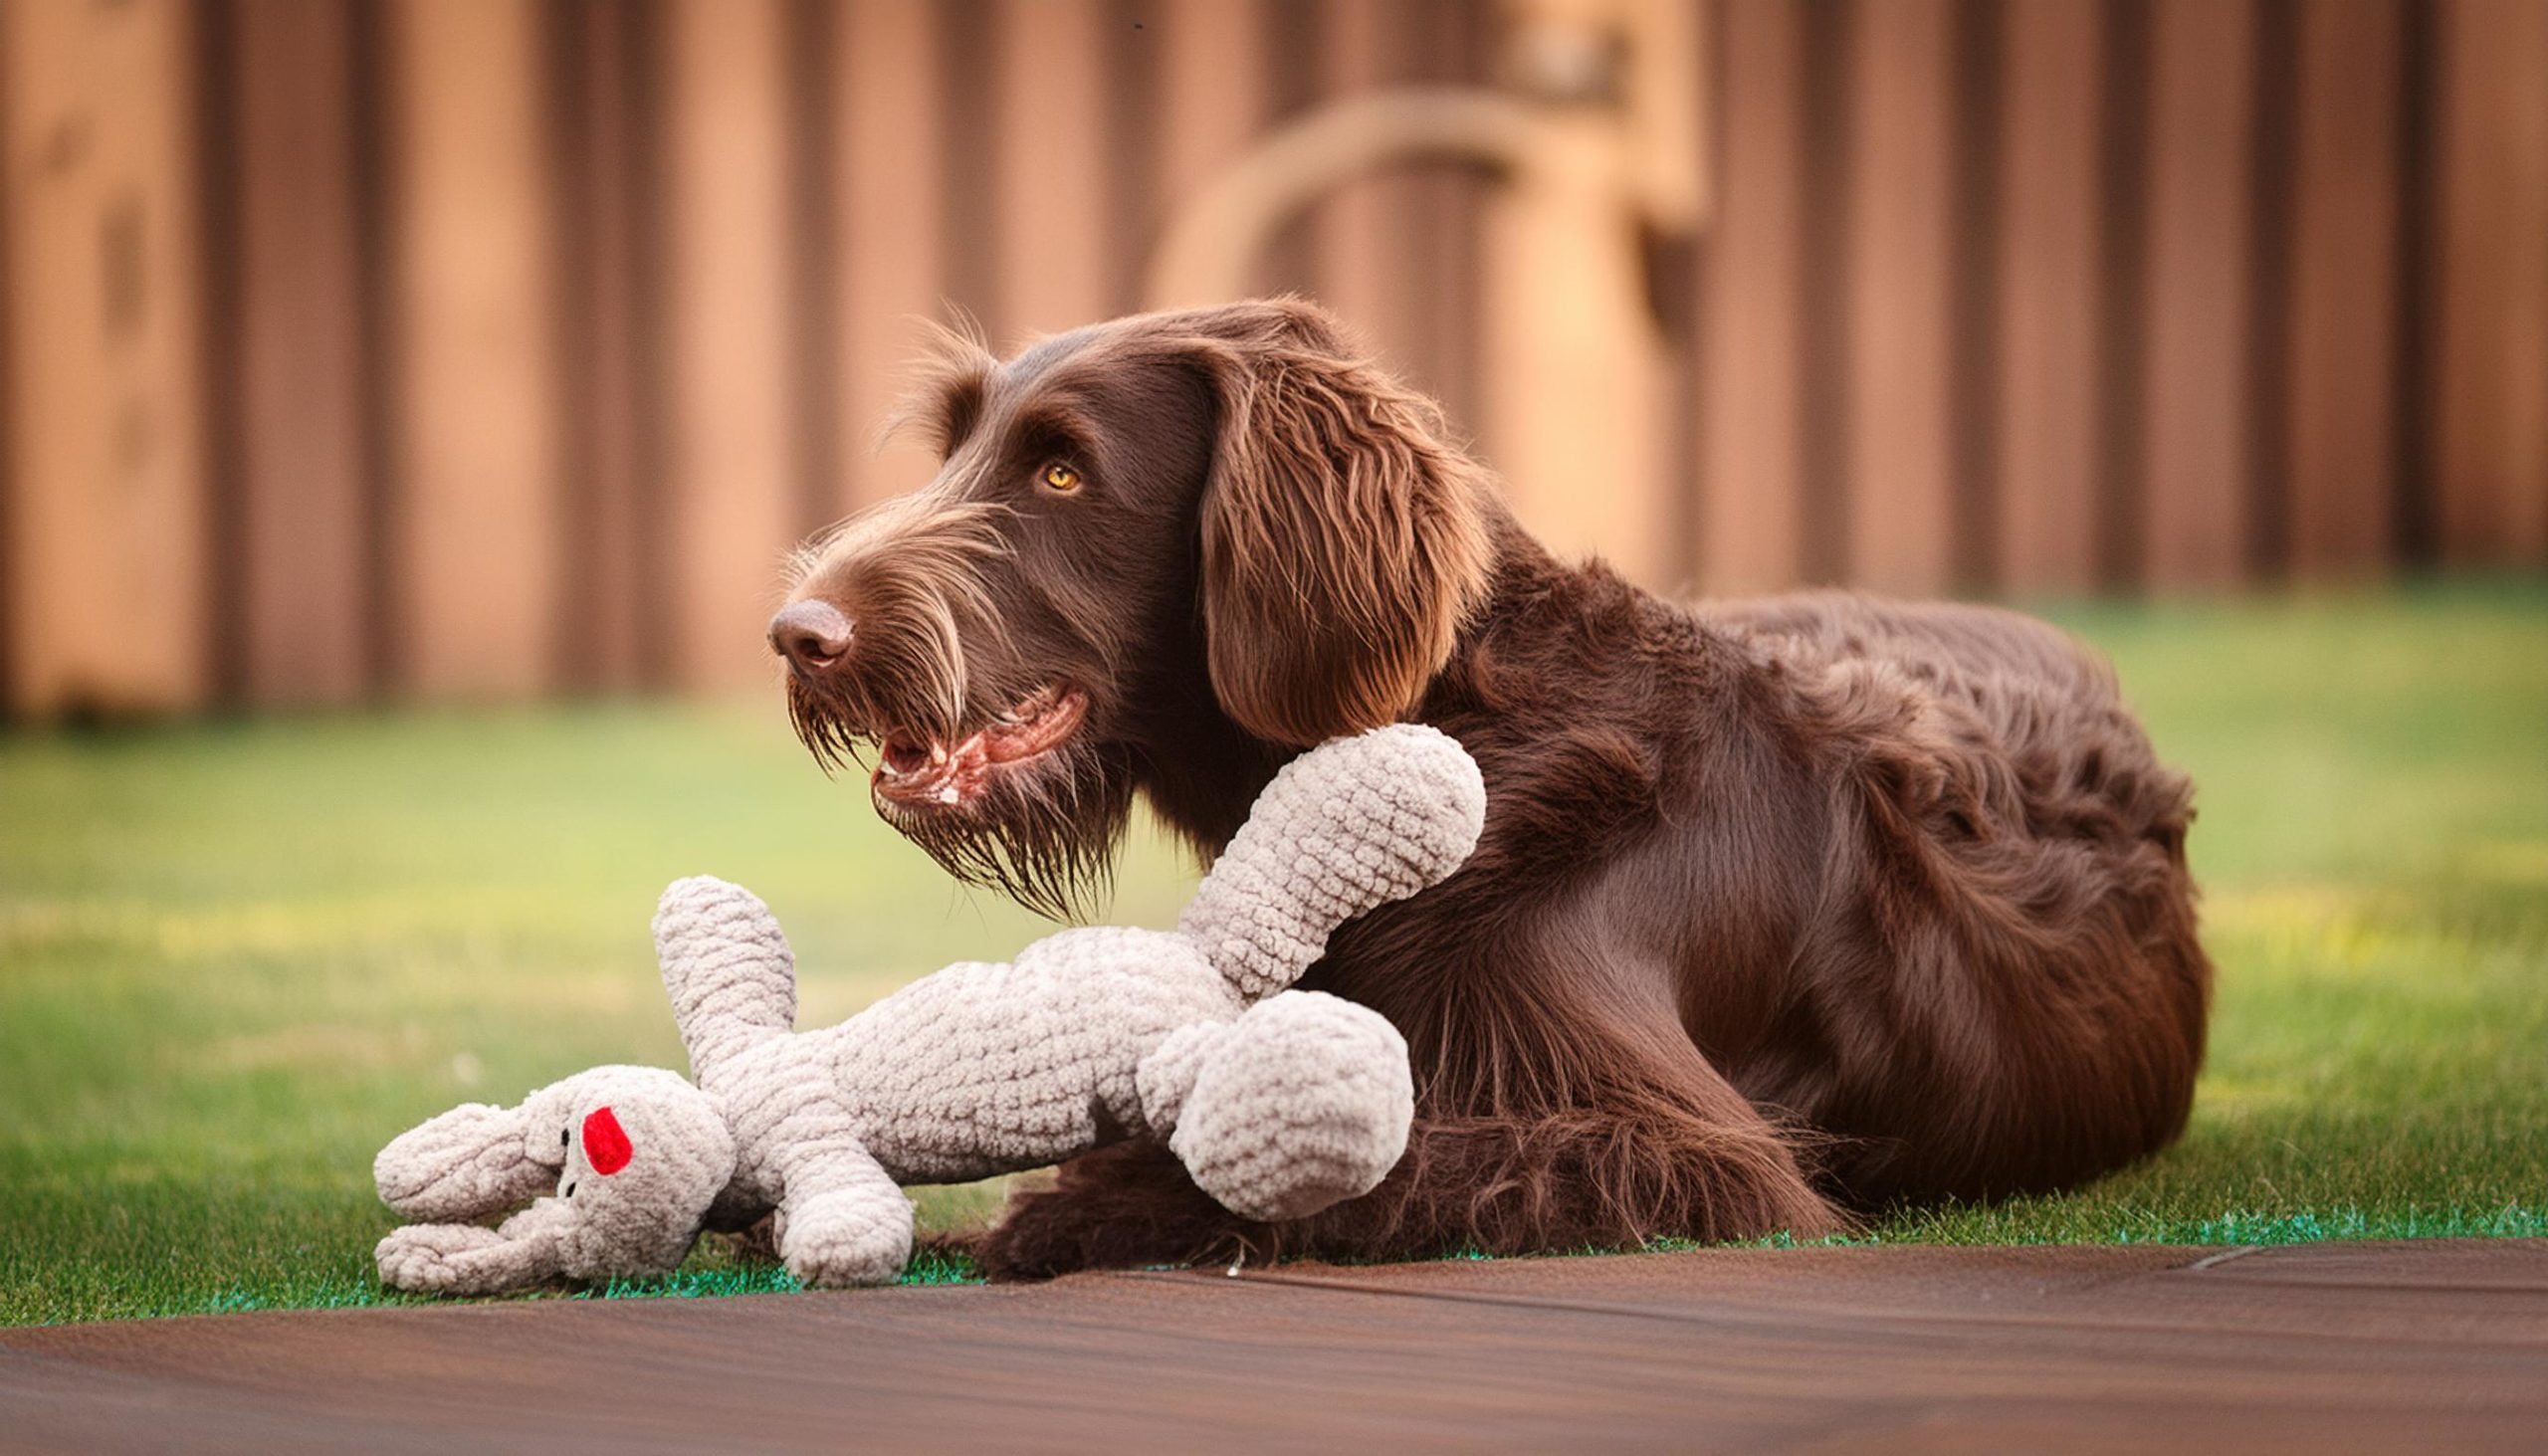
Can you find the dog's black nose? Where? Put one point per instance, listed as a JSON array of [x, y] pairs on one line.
[[813, 635]]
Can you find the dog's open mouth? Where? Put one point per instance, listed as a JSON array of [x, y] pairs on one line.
[[928, 770]]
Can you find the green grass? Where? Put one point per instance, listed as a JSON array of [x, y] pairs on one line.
[[235, 958]]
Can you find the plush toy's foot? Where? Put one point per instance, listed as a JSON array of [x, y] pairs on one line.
[[1303, 1102], [845, 1238], [1122, 1207]]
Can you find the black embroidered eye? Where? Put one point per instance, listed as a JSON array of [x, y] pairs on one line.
[[571, 1190], [564, 1136]]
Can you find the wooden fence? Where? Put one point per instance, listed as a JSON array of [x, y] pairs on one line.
[[470, 348]]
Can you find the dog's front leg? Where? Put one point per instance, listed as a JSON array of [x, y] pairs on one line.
[[1674, 1152]]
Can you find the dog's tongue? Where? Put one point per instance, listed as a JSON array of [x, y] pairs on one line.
[[951, 776]]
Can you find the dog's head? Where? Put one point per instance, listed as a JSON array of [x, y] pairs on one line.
[[1220, 512]]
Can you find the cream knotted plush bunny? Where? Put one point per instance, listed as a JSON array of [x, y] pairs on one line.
[[1279, 1102]]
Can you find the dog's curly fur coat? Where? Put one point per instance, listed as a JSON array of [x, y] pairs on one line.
[[1786, 909]]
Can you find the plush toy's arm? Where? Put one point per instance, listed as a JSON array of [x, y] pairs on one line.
[[726, 967], [1354, 824], [465, 1258]]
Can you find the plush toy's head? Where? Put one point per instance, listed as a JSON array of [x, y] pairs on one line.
[[630, 1157]]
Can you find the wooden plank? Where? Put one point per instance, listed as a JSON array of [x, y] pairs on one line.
[[730, 477], [1131, 126], [2344, 288], [304, 497], [888, 192], [1364, 232], [1393, 253], [1751, 333], [2426, 1345], [2049, 257], [2492, 365], [1448, 202], [1900, 512], [2195, 391], [1053, 228], [1211, 85], [608, 368], [106, 573], [475, 536]]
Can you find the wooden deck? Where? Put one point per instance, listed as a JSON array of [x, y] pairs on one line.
[[2330, 1347]]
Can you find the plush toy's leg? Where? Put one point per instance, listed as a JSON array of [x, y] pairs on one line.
[[1305, 1100], [841, 1220]]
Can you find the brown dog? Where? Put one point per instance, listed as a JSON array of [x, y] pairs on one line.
[[1783, 906]]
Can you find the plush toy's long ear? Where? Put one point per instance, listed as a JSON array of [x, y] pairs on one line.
[[1345, 539], [472, 1161]]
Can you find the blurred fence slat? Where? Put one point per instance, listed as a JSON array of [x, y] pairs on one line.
[[2049, 260], [2195, 386], [2492, 374], [1444, 206], [887, 207], [1750, 516], [607, 364], [477, 430], [103, 520], [1364, 231], [1212, 84], [1050, 161], [2344, 312], [305, 573], [1900, 512], [732, 476]]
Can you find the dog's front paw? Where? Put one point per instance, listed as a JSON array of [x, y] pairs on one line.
[[1042, 1235], [852, 1238], [1119, 1207]]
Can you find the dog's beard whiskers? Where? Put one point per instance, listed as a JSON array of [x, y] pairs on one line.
[[821, 727], [1044, 835]]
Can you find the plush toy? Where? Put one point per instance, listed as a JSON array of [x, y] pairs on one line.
[[1279, 1102]]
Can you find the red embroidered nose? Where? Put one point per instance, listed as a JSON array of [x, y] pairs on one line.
[[605, 1143]]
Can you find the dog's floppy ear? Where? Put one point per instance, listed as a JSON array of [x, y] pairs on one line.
[[1343, 538]]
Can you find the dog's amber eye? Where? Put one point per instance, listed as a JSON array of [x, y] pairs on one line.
[[1060, 477]]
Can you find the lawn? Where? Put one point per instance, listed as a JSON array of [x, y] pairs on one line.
[[235, 958]]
